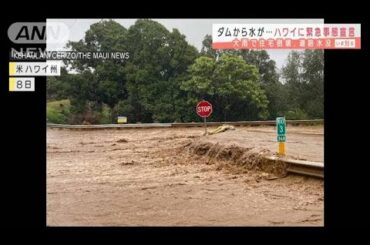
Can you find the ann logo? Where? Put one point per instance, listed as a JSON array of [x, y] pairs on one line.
[[36, 32], [27, 32], [31, 33]]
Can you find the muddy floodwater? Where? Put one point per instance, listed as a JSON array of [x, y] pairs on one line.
[[177, 177]]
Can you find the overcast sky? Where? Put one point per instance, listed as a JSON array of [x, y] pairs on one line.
[[193, 29]]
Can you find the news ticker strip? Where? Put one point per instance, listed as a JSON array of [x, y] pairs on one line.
[[18, 70], [286, 36], [48, 68], [23, 84]]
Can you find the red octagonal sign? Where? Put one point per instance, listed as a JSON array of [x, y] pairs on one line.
[[204, 108]]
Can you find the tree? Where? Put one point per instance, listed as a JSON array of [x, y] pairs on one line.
[[230, 84], [56, 87], [160, 59], [104, 79], [293, 80], [104, 36], [304, 77], [207, 49], [269, 80], [268, 77], [313, 77]]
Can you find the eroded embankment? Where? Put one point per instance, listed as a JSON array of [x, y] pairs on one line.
[[233, 158]]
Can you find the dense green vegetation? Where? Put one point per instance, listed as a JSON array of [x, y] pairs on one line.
[[58, 111], [165, 77]]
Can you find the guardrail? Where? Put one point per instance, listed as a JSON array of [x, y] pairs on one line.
[[314, 169], [169, 125], [110, 126]]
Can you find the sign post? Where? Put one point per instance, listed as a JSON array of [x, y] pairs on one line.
[[281, 134], [205, 126], [204, 109]]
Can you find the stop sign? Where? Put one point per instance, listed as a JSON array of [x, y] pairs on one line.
[[204, 108]]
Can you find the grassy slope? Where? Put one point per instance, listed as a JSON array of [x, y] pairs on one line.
[[58, 111]]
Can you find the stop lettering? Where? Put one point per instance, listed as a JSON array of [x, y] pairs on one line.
[[204, 108]]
